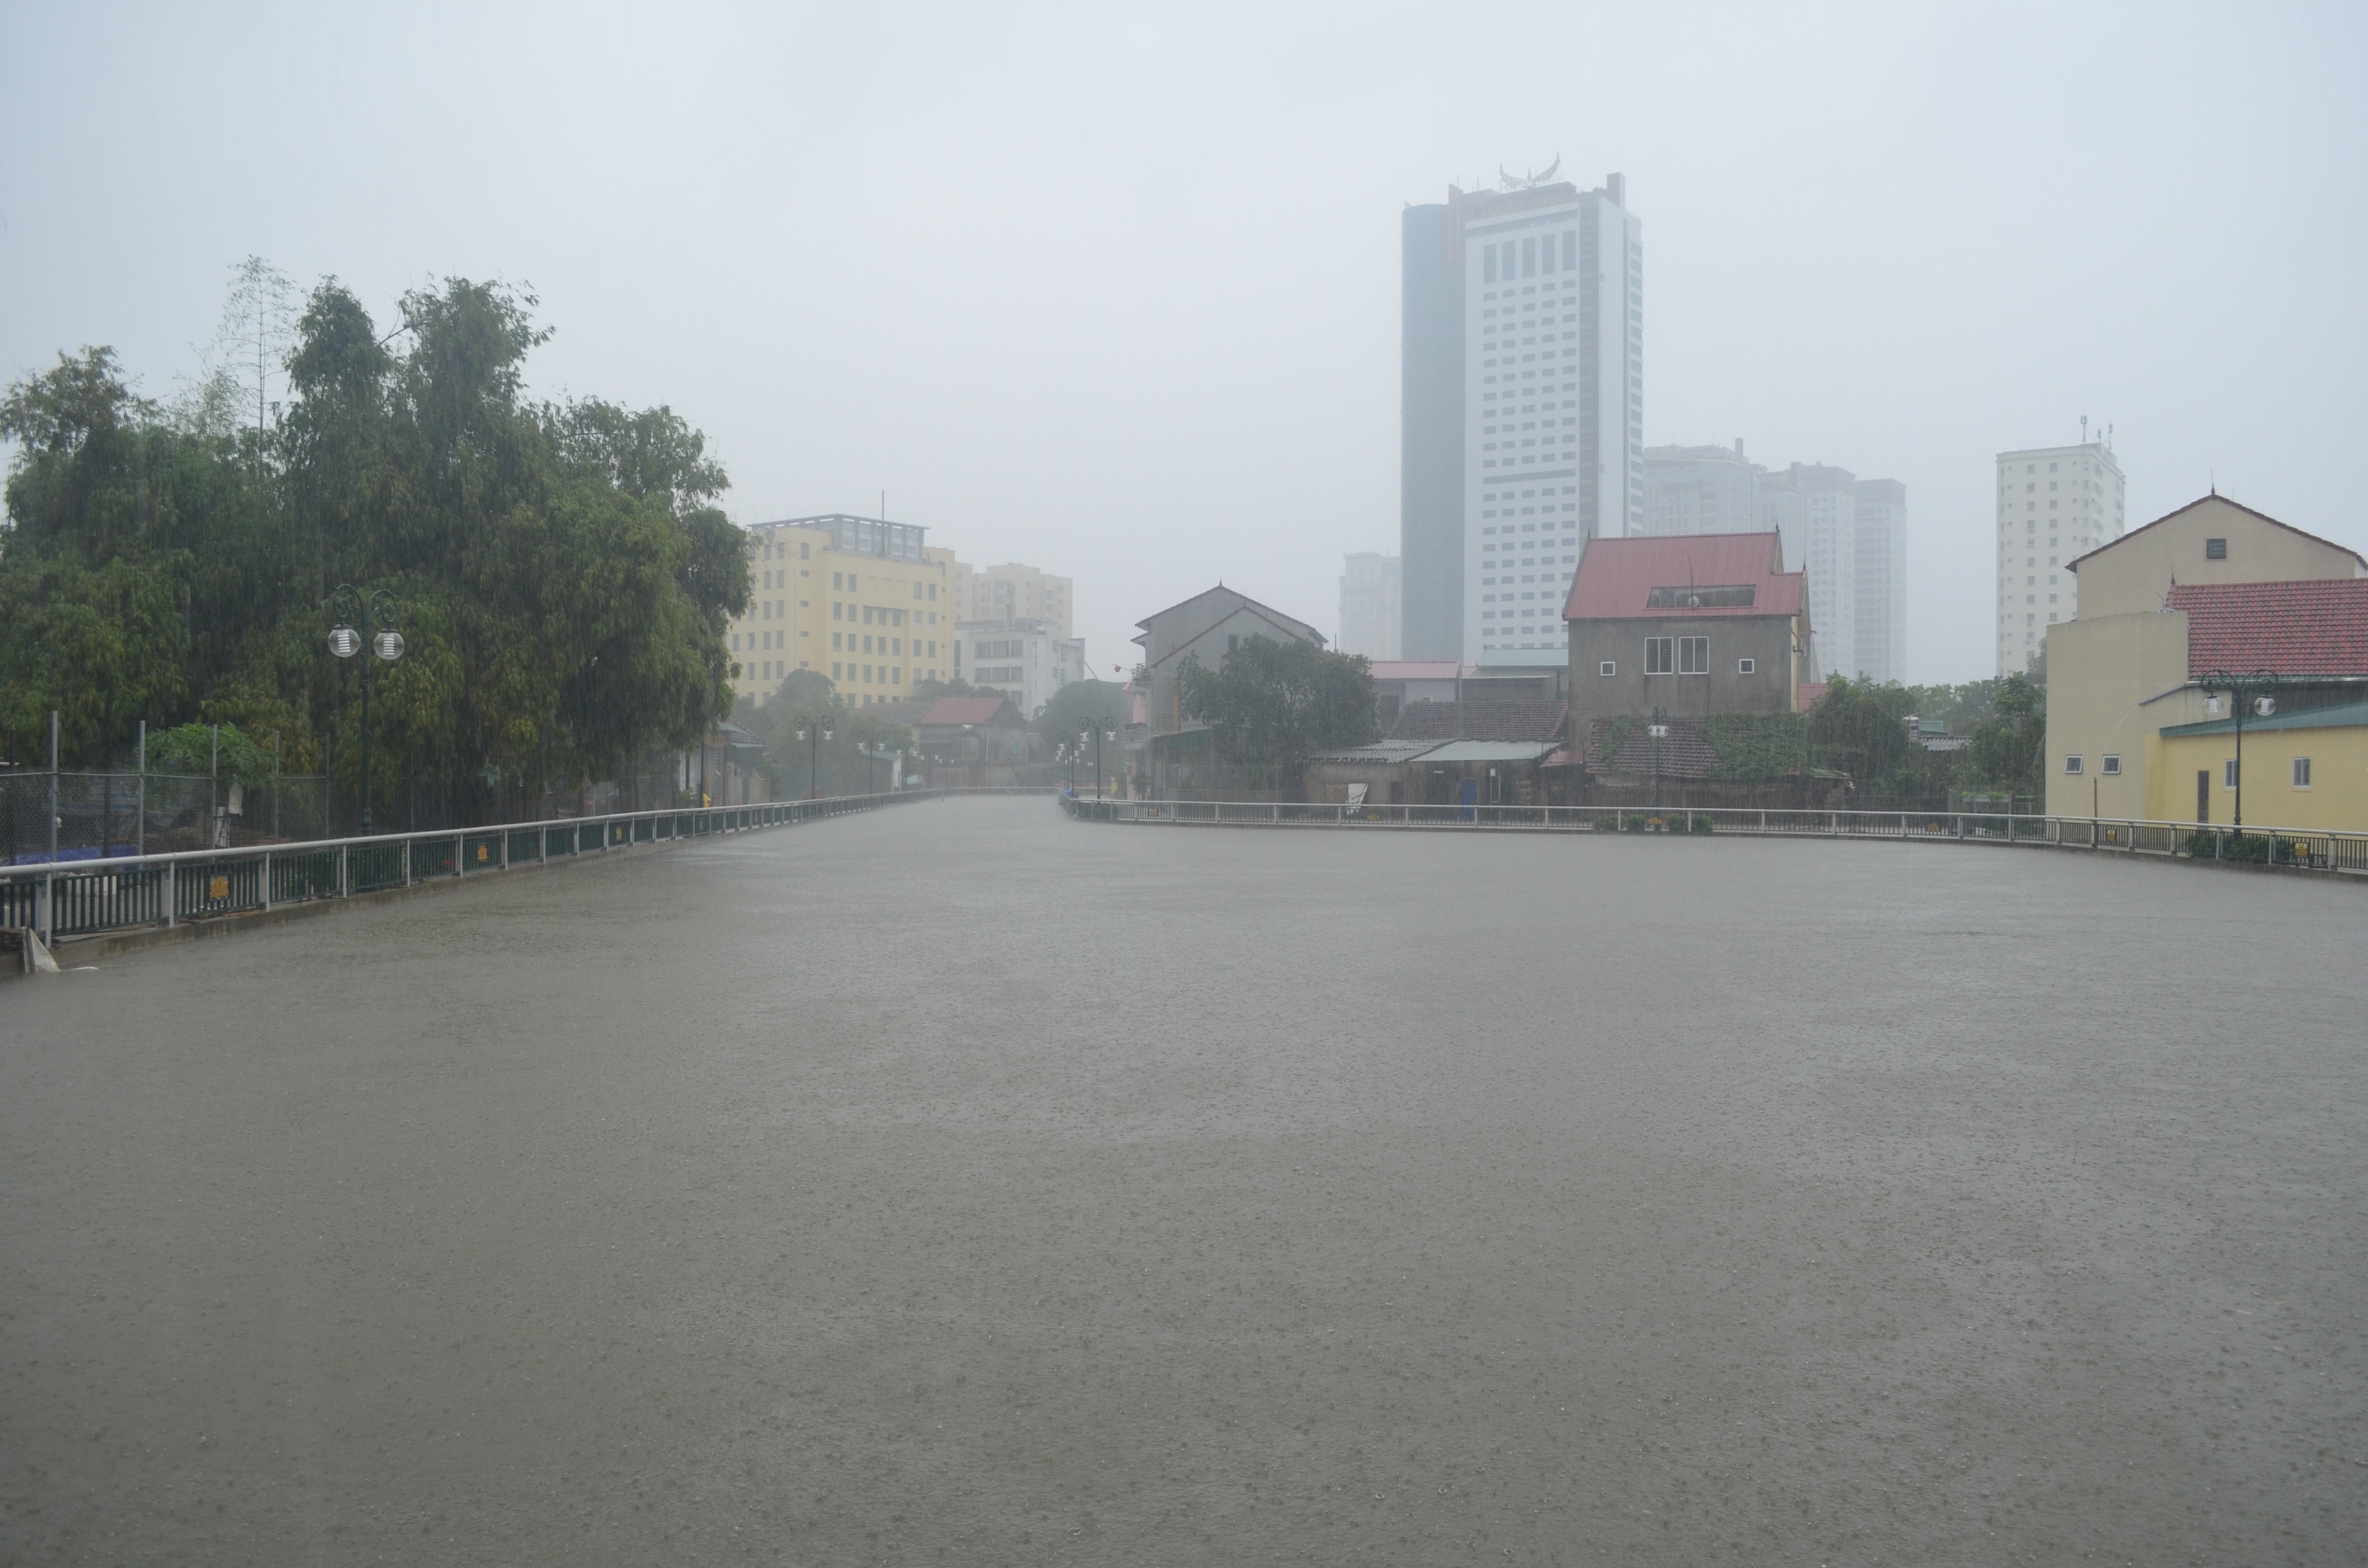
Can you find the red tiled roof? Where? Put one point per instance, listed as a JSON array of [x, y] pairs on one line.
[[967, 709], [1810, 693], [2309, 628], [1617, 576]]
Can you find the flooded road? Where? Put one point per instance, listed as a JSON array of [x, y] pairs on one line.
[[957, 1183]]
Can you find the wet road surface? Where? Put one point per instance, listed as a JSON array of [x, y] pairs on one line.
[[956, 1184]]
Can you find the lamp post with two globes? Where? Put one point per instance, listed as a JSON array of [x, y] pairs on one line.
[[376, 611], [813, 735], [1096, 736]]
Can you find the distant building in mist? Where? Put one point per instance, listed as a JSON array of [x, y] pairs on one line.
[[1700, 490], [1848, 534], [1879, 628], [1014, 592], [2054, 504], [1521, 411], [1370, 609], [1023, 657]]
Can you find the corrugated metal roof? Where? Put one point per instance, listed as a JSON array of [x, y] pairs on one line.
[[1382, 752], [1489, 751], [1416, 669]]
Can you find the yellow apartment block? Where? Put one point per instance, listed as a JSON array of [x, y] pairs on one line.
[[2307, 769], [859, 600]]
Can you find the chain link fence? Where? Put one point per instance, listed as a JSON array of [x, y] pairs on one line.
[[101, 815]]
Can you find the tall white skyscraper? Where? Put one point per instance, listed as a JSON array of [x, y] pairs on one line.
[[1848, 534], [1524, 411], [2054, 504], [1879, 633], [1700, 490], [1369, 605], [1814, 508]]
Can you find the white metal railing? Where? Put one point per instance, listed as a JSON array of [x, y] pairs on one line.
[[92, 896], [2305, 848]]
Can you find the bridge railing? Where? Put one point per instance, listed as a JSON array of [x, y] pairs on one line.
[[85, 898], [2302, 848]]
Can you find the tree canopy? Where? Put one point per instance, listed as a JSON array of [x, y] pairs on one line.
[[1082, 705], [1271, 703], [564, 575]]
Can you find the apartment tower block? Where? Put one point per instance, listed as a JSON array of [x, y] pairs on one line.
[[1521, 411]]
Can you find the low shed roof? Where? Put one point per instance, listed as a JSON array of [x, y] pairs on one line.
[[1489, 751]]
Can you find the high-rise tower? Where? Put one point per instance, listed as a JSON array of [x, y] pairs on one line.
[[2054, 503], [1524, 370]]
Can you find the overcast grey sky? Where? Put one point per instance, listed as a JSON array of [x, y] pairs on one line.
[[1113, 290]]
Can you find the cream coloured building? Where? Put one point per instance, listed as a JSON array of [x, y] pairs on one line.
[[2159, 613], [2055, 503], [1014, 592], [863, 600]]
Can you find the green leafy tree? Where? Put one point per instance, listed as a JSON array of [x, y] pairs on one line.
[[932, 689], [565, 575], [1084, 705], [2009, 747], [224, 751], [1271, 703], [1857, 728]]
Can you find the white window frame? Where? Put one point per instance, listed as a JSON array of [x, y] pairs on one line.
[[1608, 667], [2301, 773], [1746, 667], [2227, 773], [2110, 765], [1688, 644], [1667, 649], [2073, 763]]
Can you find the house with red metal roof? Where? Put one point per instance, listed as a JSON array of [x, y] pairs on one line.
[[1691, 624], [2210, 608]]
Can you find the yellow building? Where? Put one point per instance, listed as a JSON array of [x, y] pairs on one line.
[[2171, 602], [2306, 769], [859, 600]]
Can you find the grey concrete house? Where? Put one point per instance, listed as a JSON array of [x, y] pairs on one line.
[[1693, 625], [1210, 625]]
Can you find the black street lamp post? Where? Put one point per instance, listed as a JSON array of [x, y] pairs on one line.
[[1097, 734], [377, 608], [813, 735], [2237, 687]]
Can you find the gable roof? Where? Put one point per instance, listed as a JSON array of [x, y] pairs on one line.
[[2074, 564], [2314, 627], [970, 710], [1298, 628], [1616, 576]]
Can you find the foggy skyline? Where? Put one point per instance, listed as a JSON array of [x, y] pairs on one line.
[[1118, 295]]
